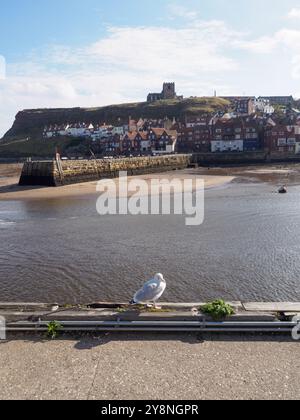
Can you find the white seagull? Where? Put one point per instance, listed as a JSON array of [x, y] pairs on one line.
[[151, 292]]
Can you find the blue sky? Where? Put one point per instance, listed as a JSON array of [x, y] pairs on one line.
[[62, 53]]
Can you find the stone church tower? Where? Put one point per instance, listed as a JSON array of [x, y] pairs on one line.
[[169, 91]]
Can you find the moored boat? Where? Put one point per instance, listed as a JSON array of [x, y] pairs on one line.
[[282, 190]]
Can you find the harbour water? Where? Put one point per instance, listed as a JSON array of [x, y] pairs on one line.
[[61, 250]]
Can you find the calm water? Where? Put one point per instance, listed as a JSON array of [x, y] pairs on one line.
[[61, 250]]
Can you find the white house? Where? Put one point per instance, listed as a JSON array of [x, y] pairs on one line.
[[227, 146], [263, 105], [78, 130], [118, 130]]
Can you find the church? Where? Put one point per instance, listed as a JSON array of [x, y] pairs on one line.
[[168, 92]]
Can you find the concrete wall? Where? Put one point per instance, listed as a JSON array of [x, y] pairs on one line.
[[72, 172]]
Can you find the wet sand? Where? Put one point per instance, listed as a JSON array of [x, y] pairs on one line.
[[213, 177], [10, 190], [275, 174]]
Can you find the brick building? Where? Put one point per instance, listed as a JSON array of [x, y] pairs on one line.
[[154, 140], [195, 139], [242, 104], [282, 139], [235, 135]]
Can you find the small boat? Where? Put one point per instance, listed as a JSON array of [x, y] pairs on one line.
[[282, 190]]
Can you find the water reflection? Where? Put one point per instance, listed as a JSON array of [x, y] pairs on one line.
[[61, 250]]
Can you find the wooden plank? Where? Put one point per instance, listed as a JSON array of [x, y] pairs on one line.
[[272, 306]]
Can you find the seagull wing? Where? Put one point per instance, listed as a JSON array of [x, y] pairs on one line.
[[148, 293]]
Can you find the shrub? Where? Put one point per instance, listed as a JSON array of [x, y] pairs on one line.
[[218, 309]]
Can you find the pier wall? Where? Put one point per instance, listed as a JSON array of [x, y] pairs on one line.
[[246, 158], [229, 158], [53, 173]]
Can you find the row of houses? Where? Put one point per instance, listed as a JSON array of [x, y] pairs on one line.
[[224, 134], [152, 140], [83, 130], [199, 134], [243, 134], [102, 131], [234, 135]]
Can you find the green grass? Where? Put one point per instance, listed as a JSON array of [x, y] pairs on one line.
[[37, 147]]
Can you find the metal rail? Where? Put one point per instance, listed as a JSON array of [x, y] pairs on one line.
[[156, 326]]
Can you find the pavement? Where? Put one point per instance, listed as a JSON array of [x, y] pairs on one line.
[[153, 366]]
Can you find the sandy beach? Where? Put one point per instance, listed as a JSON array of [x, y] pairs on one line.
[[212, 177], [10, 190]]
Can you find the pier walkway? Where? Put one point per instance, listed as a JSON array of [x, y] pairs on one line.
[[150, 366]]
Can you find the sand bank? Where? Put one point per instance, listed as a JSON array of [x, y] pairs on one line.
[[9, 189]]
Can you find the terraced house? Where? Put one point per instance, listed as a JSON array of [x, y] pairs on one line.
[[283, 140], [194, 139], [235, 135], [154, 140]]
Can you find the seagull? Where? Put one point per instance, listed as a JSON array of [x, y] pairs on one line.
[[151, 292]]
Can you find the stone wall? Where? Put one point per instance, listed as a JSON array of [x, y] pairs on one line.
[[246, 158], [38, 173], [54, 173], [229, 158]]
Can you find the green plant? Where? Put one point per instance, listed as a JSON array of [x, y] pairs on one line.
[[122, 310], [53, 329], [218, 309]]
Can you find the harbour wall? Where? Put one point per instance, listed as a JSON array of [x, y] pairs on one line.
[[56, 173], [245, 158], [229, 158]]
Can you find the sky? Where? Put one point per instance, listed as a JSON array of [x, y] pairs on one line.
[[69, 53]]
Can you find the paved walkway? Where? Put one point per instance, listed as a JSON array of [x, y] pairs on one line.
[[150, 367]]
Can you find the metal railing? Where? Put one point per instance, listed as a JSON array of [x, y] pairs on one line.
[[156, 326]]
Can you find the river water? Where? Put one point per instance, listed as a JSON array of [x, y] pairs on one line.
[[61, 250]]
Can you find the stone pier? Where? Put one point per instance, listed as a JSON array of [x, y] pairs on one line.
[[56, 173]]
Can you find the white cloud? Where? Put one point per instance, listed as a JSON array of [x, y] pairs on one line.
[[121, 67], [263, 45], [296, 67], [129, 62], [289, 38], [177, 10], [294, 13], [166, 50], [2, 68]]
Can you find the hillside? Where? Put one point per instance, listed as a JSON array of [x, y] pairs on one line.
[[30, 123]]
